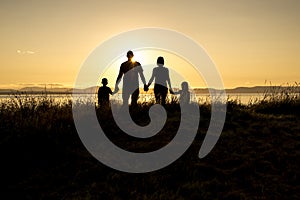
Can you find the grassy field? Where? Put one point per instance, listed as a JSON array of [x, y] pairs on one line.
[[256, 156]]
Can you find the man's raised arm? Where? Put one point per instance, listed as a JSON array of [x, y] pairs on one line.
[[118, 81]]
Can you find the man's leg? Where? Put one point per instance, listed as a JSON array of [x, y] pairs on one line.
[[135, 97], [125, 97], [157, 98]]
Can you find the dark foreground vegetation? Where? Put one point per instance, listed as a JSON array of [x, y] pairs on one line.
[[256, 156]]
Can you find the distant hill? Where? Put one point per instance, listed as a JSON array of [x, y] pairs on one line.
[[43, 90], [37, 90], [89, 90], [7, 91], [256, 89]]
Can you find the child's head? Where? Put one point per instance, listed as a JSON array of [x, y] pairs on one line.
[[185, 86], [104, 81]]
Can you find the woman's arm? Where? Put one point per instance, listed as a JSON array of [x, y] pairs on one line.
[[178, 92], [152, 78], [169, 82]]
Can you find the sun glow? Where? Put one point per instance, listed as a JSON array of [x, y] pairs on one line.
[[180, 70]]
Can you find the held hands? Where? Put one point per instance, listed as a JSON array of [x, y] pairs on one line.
[[116, 90], [171, 91], [146, 87]]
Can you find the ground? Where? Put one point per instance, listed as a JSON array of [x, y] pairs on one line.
[[256, 156]]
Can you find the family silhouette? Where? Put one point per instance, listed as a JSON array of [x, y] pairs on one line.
[[130, 71]]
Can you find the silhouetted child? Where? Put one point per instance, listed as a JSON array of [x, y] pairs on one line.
[[103, 94], [184, 93]]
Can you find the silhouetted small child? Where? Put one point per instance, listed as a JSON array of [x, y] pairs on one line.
[[184, 93], [103, 94]]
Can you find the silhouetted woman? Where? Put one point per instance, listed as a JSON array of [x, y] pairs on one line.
[[162, 78]]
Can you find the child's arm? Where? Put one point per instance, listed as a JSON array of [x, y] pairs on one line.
[[114, 92], [178, 92], [110, 92]]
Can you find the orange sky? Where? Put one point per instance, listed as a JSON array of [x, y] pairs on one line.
[[44, 42]]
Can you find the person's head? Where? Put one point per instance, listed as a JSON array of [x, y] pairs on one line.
[[104, 81], [185, 86], [130, 55], [160, 61]]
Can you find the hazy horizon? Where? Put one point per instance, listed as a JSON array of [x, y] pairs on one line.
[[60, 86]]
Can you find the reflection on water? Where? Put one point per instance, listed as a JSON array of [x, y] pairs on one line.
[[244, 98]]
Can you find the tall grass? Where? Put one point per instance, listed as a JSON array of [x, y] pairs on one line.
[[279, 100], [22, 110]]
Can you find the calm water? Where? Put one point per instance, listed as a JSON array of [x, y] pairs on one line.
[[244, 98]]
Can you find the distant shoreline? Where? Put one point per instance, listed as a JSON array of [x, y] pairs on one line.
[[92, 90]]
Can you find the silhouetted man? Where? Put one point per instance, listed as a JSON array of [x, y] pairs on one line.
[[131, 71]]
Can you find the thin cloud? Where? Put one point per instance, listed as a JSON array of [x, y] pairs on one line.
[[30, 52], [26, 52]]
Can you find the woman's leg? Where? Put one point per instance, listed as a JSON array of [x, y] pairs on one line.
[[157, 94], [164, 93], [125, 97]]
